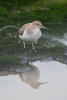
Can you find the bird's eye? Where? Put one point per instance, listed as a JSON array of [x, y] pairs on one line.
[[37, 24]]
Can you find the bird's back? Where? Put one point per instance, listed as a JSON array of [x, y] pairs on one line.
[[26, 27]]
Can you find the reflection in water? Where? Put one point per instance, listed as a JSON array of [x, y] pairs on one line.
[[28, 74], [31, 77], [12, 88]]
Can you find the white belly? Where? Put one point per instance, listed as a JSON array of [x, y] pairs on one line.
[[35, 35]]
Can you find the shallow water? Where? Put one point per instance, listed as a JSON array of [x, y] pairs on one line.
[[42, 75], [38, 80]]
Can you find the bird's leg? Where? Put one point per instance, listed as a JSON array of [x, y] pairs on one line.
[[33, 47], [24, 44]]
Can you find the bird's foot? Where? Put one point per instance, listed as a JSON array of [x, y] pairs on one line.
[[33, 48]]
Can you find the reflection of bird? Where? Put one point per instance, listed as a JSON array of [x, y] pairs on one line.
[[31, 32], [29, 74], [31, 77]]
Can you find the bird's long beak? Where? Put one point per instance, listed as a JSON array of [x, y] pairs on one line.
[[44, 27]]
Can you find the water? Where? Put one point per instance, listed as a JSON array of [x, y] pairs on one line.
[[42, 75], [40, 80]]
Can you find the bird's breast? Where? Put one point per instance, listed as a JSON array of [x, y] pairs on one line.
[[32, 36], [37, 33]]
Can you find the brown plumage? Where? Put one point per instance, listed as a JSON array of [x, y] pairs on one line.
[[24, 27], [29, 27], [31, 32]]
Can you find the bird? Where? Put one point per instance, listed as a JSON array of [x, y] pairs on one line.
[[31, 32]]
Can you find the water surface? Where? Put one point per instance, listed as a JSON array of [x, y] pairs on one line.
[[38, 80], [41, 75]]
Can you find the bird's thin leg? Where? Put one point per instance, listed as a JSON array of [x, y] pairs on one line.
[[33, 47], [24, 44]]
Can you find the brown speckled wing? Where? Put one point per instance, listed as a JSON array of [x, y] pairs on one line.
[[21, 30], [28, 28]]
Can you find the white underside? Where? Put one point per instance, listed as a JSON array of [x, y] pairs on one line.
[[34, 36]]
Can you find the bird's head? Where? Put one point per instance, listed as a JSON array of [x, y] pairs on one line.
[[39, 24]]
